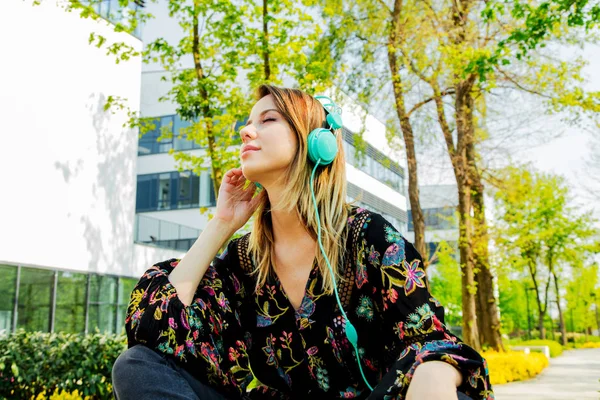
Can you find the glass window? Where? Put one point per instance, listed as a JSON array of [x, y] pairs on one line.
[[70, 302], [103, 289], [183, 143], [8, 289], [101, 317], [189, 189], [103, 303], [147, 193], [126, 286], [164, 190], [195, 190], [184, 184], [166, 132], [167, 191], [35, 293], [150, 131], [104, 8], [168, 127], [211, 190]]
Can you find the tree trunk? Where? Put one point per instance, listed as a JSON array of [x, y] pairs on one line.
[[407, 133], [266, 62], [488, 316], [458, 158], [463, 109], [464, 127], [541, 326], [207, 112], [561, 318]]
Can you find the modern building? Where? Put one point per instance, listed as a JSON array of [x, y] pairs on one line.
[[92, 206], [67, 253], [439, 204]]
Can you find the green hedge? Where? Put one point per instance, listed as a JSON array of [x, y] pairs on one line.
[[33, 362], [556, 348]]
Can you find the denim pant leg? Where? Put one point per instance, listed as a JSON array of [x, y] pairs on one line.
[[143, 373]]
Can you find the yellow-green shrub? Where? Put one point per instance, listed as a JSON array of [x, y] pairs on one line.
[[590, 345], [556, 348], [512, 366], [63, 395]]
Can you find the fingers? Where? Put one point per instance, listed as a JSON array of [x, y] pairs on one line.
[[234, 172], [234, 177]]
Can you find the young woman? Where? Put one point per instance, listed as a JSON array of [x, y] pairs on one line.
[[264, 320]]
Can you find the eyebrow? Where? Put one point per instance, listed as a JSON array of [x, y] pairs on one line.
[[261, 114]]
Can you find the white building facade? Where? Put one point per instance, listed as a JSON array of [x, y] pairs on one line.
[[67, 252]]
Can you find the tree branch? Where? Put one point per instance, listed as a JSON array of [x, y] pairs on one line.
[[422, 103], [521, 87], [385, 6]]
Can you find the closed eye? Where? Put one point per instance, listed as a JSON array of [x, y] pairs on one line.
[[268, 119]]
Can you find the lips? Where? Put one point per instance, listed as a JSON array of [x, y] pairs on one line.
[[249, 148]]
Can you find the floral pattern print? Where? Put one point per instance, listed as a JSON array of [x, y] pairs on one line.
[[253, 344]]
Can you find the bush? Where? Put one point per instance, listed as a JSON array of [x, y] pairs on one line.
[[556, 348], [61, 396], [588, 339], [589, 345], [36, 363], [513, 366]]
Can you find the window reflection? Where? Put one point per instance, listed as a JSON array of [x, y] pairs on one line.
[[108, 300], [70, 302], [35, 299], [172, 190], [8, 285]]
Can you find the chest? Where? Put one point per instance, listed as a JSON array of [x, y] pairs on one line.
[[293, 268]]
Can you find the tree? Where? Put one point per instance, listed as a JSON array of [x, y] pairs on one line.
[[566, 240], [372, 61], [582, 298], [224, 43], [537, 229], [464, 67], [445, 282]]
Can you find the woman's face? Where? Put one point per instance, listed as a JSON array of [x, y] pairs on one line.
[[273, 141]]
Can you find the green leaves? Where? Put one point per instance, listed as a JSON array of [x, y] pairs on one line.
[[38, 361], [541, 234], [534, 24]]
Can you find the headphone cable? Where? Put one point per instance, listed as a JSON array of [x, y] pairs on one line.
[[349, 329]]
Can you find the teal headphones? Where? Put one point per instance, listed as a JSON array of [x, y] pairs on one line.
[[322, 149], [322, 144]]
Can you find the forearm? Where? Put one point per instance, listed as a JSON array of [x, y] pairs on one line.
[[189, 272]]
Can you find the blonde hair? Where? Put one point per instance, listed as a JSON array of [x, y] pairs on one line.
[[304, 113]]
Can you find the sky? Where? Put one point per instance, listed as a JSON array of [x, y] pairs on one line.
[[568, 155]]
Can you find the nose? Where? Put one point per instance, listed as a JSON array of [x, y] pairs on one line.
[[248, 132]]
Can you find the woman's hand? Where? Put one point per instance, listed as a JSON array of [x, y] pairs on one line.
[[235, 205], [434, 380]]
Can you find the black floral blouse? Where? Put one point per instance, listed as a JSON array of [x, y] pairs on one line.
[[254, 344]]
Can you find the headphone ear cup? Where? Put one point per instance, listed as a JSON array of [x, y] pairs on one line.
[[322, 145]]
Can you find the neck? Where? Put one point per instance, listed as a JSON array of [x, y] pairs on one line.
[[288, 228]]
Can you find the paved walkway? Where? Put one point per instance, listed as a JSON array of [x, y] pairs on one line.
[[573, 375]]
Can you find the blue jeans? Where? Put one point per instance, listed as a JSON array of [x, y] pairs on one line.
[[143, 373]]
